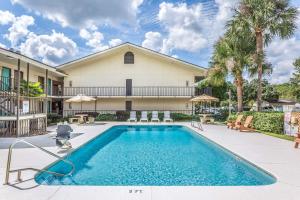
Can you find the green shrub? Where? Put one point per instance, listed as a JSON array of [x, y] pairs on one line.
[[53, 118], [232, 117], [264, 121], [181, 117], [106, 117], [122, 115], [270, 122]]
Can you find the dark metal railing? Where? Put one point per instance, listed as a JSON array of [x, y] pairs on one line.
[[134, 91], [95, 91], [8, 84]]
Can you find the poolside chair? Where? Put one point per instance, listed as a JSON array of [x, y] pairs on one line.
[[63, 136], [144, 116], [233, 124], [246, 126], [167, 116], [132, 117], [154, 117]]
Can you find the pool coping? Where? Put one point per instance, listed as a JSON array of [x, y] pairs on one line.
[[281, 189], [182, 125]]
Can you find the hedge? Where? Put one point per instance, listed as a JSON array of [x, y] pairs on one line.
[[106, 117], [265, 121]]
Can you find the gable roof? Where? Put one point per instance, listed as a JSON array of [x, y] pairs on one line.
[[134, 46], [26, 59]]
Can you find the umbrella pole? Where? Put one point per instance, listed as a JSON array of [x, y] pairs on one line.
[[81, 106]]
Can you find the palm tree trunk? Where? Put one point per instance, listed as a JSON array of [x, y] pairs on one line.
[[239, 90], [259, 53]]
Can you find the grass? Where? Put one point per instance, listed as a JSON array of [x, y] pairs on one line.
[[281, 136]]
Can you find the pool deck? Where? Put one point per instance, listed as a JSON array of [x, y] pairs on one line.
[[274, 155]]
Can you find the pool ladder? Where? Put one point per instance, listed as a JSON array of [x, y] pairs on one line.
[[197, 125], [19, 171]]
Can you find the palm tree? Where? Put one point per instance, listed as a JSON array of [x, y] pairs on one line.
[[266, 19], [232, 56]]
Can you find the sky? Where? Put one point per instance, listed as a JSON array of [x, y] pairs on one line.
[[58, 31]]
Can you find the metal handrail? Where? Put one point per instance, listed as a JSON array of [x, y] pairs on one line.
[[8, 171]]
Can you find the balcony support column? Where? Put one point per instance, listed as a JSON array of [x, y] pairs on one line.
[[46, 97], [18, 99], [27, 79]]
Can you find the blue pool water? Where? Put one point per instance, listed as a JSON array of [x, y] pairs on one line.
[[154, 155]]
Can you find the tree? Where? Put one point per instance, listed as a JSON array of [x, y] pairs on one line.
[[295, 80], [266, 19], [269, 91], [232, 55], [34, 89]]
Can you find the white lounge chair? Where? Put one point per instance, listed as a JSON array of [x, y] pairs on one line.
[[132, 117], [154, 117], [144, 116], [167, 117]]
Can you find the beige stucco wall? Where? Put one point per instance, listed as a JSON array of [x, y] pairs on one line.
[[34, 72], [137, 104], [148, 70]]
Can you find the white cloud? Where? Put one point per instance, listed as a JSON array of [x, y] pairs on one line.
[[115, 42], [18, 26], [94, 39], [193, 27], [51, 49], [282, 54], [6, 17], [153, 40], [2, 45], [79, 13], [19, 29]]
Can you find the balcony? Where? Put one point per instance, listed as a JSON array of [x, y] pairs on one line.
[[10, 85], [142, 91]]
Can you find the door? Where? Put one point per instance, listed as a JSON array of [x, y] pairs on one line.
[[128, 105], [5, 79], [128, 87]]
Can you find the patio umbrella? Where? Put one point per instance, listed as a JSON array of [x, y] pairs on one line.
[[204, 98], [80, 98]]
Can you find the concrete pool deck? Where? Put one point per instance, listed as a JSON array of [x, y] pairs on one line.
[[274, 155]]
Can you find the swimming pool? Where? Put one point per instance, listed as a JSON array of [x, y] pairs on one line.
[[154, 155]]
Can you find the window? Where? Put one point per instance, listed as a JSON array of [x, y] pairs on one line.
[[129, 58], [70, 83]]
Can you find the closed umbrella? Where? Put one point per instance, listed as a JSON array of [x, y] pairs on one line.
[[80, 98]]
